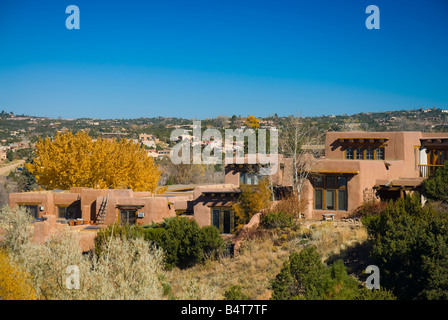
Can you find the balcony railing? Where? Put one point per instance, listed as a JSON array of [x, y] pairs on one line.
[[427, 170]]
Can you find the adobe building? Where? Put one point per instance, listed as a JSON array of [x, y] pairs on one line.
[[356, 167], [95, 206], [363, 166], [212, 204]]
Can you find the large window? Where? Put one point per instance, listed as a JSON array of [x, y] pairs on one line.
[[32, 210], [249, 178], [330, 193], [67, 212], [364, 154], [222, 218], [128, 217]]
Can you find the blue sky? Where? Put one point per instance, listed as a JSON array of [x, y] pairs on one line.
[[203, 58]]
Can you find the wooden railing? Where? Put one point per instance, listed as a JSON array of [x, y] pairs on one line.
[[427, 170]]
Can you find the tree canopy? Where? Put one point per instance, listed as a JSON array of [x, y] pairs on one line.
[[75, 160], [436, 186], [410, 246]]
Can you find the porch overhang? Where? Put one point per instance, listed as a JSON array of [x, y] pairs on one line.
[[221, 193], [434, 142], [409, 184], [371, 140], [130, 207], [341, 172]]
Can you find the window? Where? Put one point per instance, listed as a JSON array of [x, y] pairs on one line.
[[249, 178], [330, 193], [364, 154], [222, 218], [318, 199], [62, 211], [128, 217], [379, 154], [330, 181], [359, 154], [216, 218], [32, 210], [342, 181], [329, 199], [349, 154], [69, 212], [342, 200], [369, 154]]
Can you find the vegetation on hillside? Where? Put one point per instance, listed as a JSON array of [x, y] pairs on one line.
[[410, 246], [284, 258]]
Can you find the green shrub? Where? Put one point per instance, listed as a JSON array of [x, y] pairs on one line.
[[212, 242], [369, 208], [305, 277], [235, 293], [410, 246], [374, 294], [153, 234], [122, 231], [275, 220], [300, 277], [436, 186], [182, 240]]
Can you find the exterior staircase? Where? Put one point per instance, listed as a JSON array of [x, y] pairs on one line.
[[101, 216]]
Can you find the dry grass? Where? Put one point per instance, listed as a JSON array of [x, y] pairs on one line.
[[261, 259], [331, 238], [252, 269]]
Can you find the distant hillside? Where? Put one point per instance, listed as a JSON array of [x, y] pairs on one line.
[[16, 128]]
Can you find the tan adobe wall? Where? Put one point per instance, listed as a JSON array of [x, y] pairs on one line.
[[202, 204], [155, 209], [41, 199], [281, 177]]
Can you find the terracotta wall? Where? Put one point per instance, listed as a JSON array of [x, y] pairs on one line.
[[202, 205], [41, 199], [155, 209], [282, 176], [399, 157]]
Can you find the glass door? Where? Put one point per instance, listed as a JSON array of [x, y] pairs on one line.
[[128, 217]]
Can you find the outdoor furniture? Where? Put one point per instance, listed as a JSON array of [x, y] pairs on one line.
[[328, 216]]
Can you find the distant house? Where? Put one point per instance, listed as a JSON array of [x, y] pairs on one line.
[[3, 153]]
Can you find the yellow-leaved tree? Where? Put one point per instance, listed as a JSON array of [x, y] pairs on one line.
[[252, 122], [15, 284], [75, 160], [253, 199]]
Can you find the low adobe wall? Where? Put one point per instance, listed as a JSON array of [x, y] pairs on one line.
[[45, 229]]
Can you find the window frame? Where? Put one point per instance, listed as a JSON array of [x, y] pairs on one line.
[[351, 152], [252, 176], [383, 153], [361, 153], [29, 208], [221, 218], [368, 155], [128, 218], [333, 188]]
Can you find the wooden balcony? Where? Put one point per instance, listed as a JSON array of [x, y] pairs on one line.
[[427, 170]]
